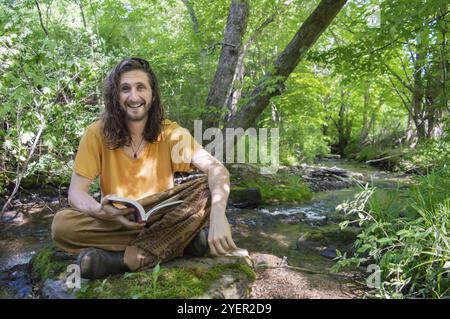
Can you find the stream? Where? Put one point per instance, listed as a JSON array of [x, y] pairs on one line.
[[27, 229]]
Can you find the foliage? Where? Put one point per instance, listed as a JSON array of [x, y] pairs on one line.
[[353, 93], [52, 66], [301, 128], [47, 81], [275, 188], [155, 275], [429, 155], [410, 244]]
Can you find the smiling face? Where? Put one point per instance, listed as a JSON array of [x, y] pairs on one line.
[[135, 95]]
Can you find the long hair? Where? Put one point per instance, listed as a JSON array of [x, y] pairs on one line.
[[115, 129]]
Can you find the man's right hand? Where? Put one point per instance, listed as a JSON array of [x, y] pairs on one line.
[[107, 211], [79, 198]]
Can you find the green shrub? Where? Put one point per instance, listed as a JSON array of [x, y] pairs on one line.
[[283, 188], [428, 155], [411, 245]]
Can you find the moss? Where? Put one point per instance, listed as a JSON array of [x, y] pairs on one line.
[[240, 194], [46, 264], [315, 235], [391, 155], [277, 188], [51, 263], [369, 153], [328, 234], [214, 273], [171, 283], [6, 293], [331, 234], [36, 181]]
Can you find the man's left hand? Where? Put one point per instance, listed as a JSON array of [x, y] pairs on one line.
[[219, 238]]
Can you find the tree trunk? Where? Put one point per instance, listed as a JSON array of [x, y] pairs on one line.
[[192, 15], [424, 104], [221, 86], [40, 17], [445, 63], [343, 125], [366, 126], [240, 68], [80, 4], [373, 117], [286, 62], [235, 94], [417, 95], [91, 41]]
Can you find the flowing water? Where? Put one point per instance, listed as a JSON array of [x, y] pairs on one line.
[[29, 231]]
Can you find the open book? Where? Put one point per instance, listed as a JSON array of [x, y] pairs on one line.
[[140, 213]]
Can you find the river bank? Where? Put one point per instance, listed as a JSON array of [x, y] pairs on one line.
[[295, 242]]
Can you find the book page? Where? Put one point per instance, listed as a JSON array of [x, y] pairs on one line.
[[140, 212], [162, 205]]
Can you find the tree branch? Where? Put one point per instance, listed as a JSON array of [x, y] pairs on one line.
[[398, 77], [24, 167], [40, 17], [192, 15], [401, 97], [273, 83]]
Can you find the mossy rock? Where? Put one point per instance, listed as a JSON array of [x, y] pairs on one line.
[[329, 235], [245, 197], [334, 234], [224, 277], [49, 263], [279, 188]]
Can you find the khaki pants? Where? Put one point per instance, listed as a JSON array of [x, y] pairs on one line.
[[167, 233]]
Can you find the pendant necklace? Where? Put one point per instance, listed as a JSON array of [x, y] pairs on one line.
[[135, 152]]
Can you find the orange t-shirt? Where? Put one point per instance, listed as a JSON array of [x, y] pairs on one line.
[[150, 173]]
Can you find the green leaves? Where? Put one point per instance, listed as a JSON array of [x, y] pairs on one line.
[[155, 275], [384, 241], [128, 275], [411, 251]]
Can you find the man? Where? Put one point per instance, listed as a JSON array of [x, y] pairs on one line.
[[135, 152]]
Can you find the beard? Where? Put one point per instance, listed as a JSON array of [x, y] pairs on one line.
[[136, 118], [137, 114]]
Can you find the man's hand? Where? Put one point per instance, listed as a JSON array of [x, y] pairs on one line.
[[219, 238], [108, 212]]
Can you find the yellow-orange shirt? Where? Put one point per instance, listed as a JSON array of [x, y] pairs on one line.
[[150, 173]]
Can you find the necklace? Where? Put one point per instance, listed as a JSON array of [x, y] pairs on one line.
[[136, 151]]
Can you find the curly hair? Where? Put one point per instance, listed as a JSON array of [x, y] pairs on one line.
[[115, 129]]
